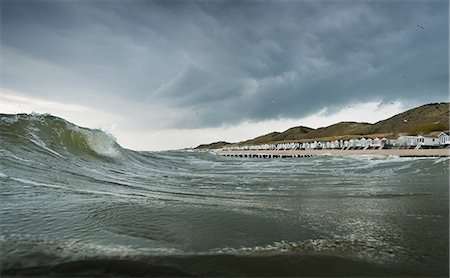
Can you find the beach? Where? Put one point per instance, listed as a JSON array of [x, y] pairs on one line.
[[384, 152]]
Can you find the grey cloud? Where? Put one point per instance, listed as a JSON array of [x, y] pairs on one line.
[[215, 63]]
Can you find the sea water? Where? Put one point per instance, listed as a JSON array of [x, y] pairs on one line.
[[74, 202]]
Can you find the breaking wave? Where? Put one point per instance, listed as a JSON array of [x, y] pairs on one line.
[[57, 136]]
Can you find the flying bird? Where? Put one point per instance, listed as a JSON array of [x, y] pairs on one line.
[[420, 26]]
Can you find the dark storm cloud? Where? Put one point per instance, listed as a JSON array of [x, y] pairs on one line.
[[213, 63]]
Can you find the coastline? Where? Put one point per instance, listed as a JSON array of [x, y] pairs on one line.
[[384, 152]]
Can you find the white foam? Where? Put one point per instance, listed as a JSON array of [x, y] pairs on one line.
[[10, 154], [441, 159], [10, 120], [102, 143], [75, 249], [36, 183], [78, 190]]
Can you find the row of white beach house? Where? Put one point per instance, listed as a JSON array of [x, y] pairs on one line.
[[417, 142]]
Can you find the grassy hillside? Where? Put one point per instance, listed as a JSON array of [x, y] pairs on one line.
[[215, 145], [273, 136], [421, 120], [339, 129], [425, 119], [296, 133]]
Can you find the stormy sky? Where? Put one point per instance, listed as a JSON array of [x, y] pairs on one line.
[[152, 72]]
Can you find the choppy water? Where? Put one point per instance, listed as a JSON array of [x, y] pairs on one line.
[[73, 202]]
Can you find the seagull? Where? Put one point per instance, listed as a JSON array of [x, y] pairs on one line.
[[420, 26]]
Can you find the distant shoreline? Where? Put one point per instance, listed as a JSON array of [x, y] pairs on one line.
[[426, 120], [293, 153]]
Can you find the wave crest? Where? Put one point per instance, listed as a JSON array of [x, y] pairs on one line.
[[56, 135]]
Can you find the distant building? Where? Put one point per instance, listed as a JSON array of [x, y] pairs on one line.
[[407, 141], [346, 143], [377, 142], [357, 143], [429, 141], [351, 143], [444, 139], [363, 142], [337, 144]]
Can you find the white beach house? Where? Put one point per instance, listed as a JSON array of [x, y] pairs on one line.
[[444, 139], [363, 142], [351, 143], [407, 141], [428, 141], [377, 142], [346, 144], [337, 144], [357, 143]]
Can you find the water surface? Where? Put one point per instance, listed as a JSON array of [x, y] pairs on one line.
[[73, 202]]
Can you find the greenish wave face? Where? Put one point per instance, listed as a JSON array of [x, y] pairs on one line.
[[57, 135], [74, 202]]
